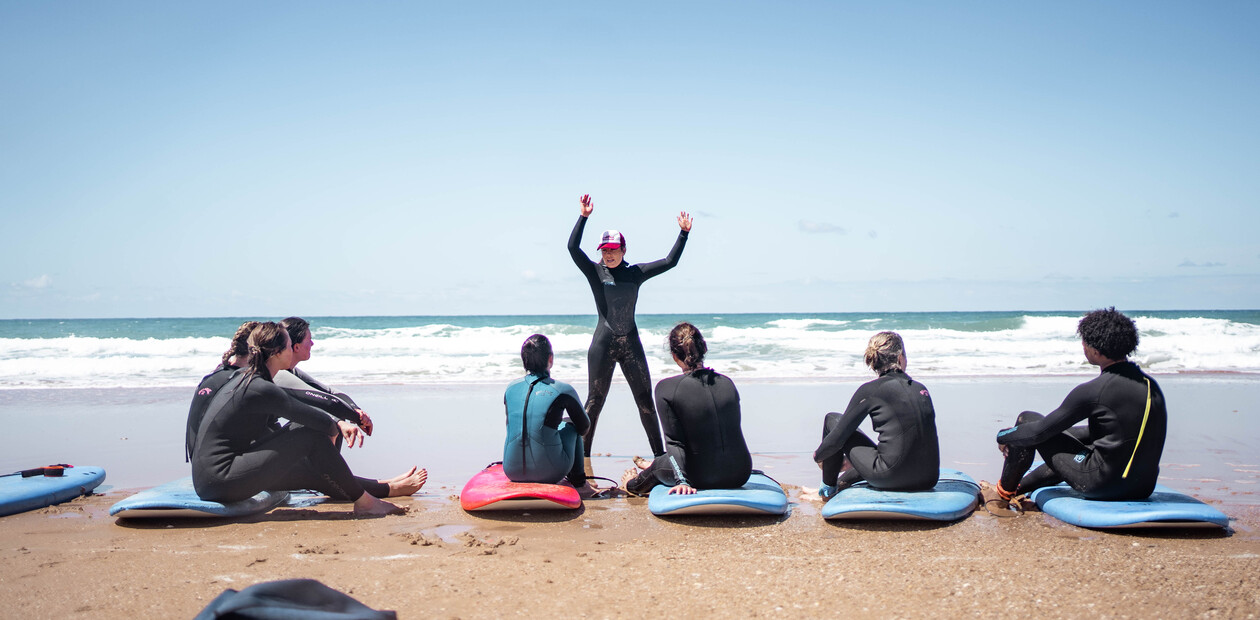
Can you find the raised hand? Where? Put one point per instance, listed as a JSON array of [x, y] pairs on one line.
[[587, 205], [684, 221]]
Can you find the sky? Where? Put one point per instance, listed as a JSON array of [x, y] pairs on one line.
[[192, 159]]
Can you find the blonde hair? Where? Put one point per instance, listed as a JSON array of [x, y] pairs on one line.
[[883, 351]]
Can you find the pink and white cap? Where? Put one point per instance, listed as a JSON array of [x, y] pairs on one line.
[[612, 239]]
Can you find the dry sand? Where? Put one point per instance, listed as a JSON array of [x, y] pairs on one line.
[[614, 559]]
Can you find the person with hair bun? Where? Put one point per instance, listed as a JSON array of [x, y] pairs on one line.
[[239, 452], [907, 457], [700, 415], [1116, 455], [541, 445]]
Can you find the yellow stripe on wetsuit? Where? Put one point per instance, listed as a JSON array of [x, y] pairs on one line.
[[1142, 429]]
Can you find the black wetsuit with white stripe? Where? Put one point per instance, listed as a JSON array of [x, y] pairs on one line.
[[616, 338], [1127, 422], [704, 443]]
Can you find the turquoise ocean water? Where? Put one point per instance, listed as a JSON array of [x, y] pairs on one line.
[[152, 352]]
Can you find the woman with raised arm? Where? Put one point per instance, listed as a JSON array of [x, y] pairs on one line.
[[699, 409], [615, 285]]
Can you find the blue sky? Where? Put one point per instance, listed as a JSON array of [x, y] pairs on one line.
[[311, 158]]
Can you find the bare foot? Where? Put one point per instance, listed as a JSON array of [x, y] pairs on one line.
[[408, 483], [369, 506], [399, 476], [642, 463]]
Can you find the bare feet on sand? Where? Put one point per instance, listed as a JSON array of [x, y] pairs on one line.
[[369, 506], [408, 483], [630, 474], [642, 463]]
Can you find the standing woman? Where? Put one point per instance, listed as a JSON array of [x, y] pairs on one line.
[[900, 408], [239, 453], [615, 286], [700, 414]]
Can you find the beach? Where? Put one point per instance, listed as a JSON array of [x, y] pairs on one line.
[[612, 558]]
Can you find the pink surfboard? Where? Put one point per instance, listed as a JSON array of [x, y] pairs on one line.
[[490, 489]]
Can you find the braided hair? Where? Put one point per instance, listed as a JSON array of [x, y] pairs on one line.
[[240, 345], [266, 340]]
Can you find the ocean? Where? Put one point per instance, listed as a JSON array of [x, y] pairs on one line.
[[170, 352]]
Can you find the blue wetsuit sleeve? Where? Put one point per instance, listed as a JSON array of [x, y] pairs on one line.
[[860, 406], [575, 251], [657, 267], [1080, 402], [563, 404], [675, 437]]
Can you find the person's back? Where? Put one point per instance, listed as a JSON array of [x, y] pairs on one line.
[[904, 422], [532, 451], [702, 418]]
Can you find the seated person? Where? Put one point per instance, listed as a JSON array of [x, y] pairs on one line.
[[907, 457], [239, 453], [699, 412], [541, 445], [1116, 455], [300, 335], [234, 358]]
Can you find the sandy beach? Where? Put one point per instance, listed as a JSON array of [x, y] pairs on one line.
[[612, 558]]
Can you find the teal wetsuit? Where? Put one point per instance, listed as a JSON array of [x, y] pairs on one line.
[[540, 445]]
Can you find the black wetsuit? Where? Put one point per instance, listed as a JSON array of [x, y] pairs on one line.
[[908, 455], [1093, 458], [616, 338], [352, 415], [206, 390], [239, 452], [704, 445]]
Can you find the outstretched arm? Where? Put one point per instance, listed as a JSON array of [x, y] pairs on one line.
[[656, 268], [575, 238]]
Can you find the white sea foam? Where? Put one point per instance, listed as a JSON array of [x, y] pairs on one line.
[[789, 348]]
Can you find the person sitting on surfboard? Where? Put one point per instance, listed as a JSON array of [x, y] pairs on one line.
[[239, 453], [907, 457], [1116, 455], [237, 356], [700, 415], [234, 358], [541, 445], [300, 335]]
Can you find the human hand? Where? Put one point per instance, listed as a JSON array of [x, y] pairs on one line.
[[682, 489], [365, 422], [587, 205], [350, 433], [684, 221]]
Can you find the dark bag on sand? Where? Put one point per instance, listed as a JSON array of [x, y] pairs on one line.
[[290, 599]]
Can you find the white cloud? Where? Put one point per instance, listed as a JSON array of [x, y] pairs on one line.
[[1190, 263], [41, 281]]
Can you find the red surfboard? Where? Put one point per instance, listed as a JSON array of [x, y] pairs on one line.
[[490, 489]]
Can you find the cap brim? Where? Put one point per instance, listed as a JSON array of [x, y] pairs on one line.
[[610, 246]]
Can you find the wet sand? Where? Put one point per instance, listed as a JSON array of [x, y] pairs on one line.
[[612, 558]]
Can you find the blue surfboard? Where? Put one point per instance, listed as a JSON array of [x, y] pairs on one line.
[[1164, 508], [18, 494], [953, 498], [759, 496], [178, 499]]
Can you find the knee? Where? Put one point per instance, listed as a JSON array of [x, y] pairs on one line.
[[830, 421], [1026, 417]]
